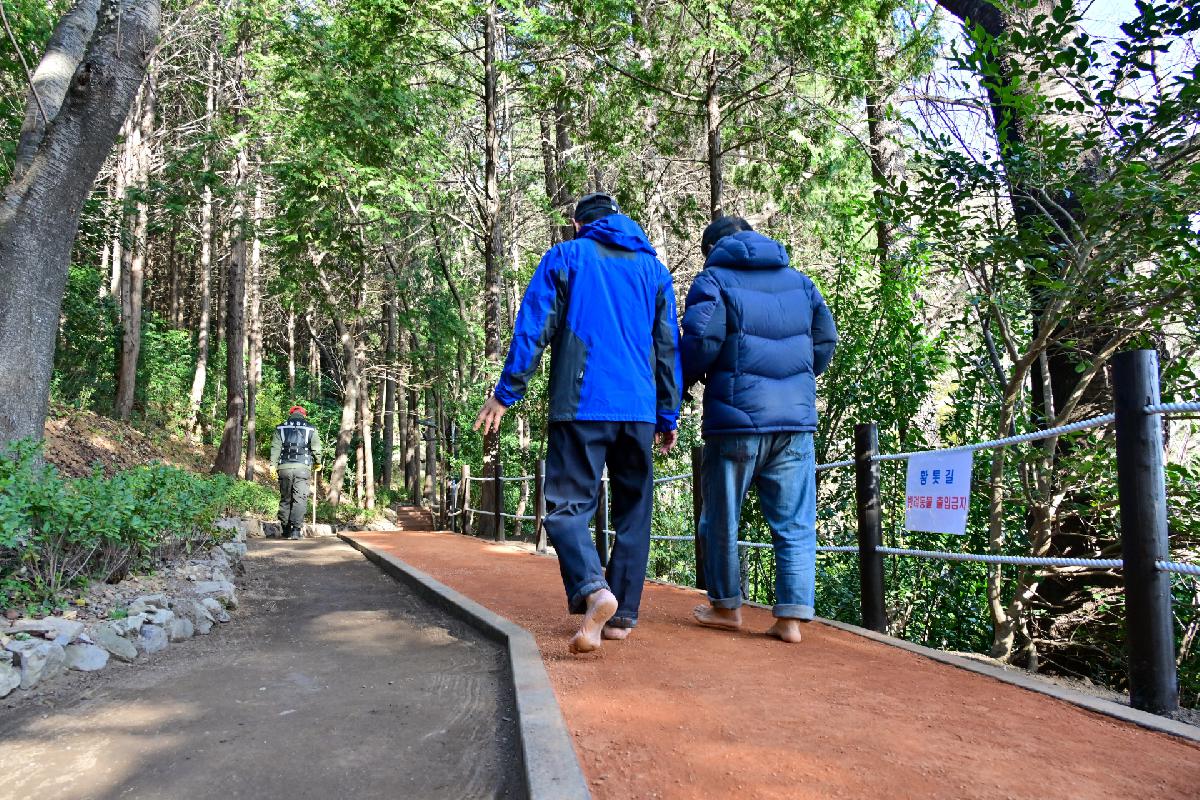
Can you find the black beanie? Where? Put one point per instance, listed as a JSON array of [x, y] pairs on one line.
[[718, 229], [592, 207]]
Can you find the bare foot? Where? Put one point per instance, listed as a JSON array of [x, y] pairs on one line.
[[611, 632], [601, 605], [785, 630], [729, 619]]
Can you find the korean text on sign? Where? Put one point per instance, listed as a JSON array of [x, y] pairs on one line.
[[938, 492]]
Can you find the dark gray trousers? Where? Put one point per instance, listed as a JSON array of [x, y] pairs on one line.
[[293, 496]]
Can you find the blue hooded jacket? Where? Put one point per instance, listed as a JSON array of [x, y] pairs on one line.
[[757, 332], [606, 306]]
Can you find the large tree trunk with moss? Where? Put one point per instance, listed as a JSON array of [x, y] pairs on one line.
[[39, 213]]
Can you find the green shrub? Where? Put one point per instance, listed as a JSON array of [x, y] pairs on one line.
[[56, 533]]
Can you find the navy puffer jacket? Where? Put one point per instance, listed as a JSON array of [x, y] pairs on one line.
[[757, 333]]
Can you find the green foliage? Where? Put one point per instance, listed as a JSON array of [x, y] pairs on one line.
[[88, 341], [57, 534], [165, 367]]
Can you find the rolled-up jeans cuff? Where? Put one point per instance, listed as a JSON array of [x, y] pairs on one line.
[[578, 602], [790, 611], [622, 622], [726, 602]]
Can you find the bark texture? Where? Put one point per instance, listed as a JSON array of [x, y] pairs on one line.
[[39, 213]]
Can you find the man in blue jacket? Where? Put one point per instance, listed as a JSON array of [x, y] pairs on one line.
[[606, 307], [757, 333]]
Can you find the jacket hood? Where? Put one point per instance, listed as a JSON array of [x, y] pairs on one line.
[[618, 230], [747, 250]]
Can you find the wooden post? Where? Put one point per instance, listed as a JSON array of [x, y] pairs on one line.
[[465, 502], [498, 509], [697, 510], [1141, 488], [870, 527], [602, 521], [539, 504]]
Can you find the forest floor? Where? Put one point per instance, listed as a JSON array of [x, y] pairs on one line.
[[77, 441], [678, 711], [335, 682]]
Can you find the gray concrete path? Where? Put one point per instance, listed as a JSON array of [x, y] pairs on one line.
[[332, 682]]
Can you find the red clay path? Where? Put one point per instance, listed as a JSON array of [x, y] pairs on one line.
[[678, 711]]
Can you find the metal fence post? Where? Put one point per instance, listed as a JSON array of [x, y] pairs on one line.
[[539, 504], [1141, 487], [697, 510], [870, 526], [452, 500], [602, 521], [498, 506]]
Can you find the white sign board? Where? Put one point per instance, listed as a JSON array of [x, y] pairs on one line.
[[938, 492]]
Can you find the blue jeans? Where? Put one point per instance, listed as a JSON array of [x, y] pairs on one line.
[[576, 455], [782, 466]]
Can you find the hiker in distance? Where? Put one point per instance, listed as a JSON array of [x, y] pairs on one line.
[[757, 333], [295, 451], [606, 307]]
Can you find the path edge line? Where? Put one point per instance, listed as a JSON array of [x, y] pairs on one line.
[[549, 764]]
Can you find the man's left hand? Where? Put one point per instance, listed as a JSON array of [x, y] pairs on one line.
[[490, 416], [666, 440]]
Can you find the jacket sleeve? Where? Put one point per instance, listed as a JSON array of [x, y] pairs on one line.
[[703, 328], [668, 371], [824, 333], [315, 445], [276, 447], [537, 322]]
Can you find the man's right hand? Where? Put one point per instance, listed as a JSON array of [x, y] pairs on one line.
[[666, 440], [490, 416]]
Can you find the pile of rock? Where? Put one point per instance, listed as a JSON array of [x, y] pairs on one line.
[[191, 597]]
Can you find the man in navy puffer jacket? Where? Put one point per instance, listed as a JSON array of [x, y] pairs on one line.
[[606, 307], [757, 333]]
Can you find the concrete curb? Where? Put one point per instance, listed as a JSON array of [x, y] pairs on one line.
[[1014, 676], [549, 763]]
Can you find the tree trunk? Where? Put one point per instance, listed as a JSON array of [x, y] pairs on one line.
[[291, 352], [174, 292], [712, 122], [229, 454], [350, 384], [1059, 377], [886, 170], [402, 418], [431, 483], [493, 235], [364, 416], [39, 213], [254, 338], [133, 259], [122, 175], [200, 376], [65, 50], [412, 468], [389, 391]]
